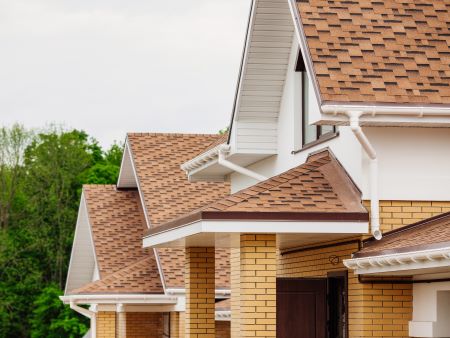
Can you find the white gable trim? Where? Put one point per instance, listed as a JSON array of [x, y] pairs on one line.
[[83, 266]]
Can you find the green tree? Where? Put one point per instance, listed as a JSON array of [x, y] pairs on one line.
[[44, 178], [13, 142], [52, 319]]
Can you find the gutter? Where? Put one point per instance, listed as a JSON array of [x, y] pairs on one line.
[[123, 299], [87, 313], [391, 262]]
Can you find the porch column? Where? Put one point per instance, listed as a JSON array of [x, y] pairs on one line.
[[235, 279], [106, 324], [200, 292], [258, 285]]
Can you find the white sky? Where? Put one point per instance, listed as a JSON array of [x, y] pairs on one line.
[[112, 66]]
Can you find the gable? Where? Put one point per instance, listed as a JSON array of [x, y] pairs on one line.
[[82, 266]]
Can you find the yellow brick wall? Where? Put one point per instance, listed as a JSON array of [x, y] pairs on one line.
[[235, 279], [396, 214], [375, 310], [175, 331], [222, 329], [200, 292], [106, 324], [144, 325], [258, 259]]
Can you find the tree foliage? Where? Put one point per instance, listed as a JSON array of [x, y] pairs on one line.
[[41, 175]]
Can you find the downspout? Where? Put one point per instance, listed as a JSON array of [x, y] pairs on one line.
[[371, 153], [225, 149], [87, 313]]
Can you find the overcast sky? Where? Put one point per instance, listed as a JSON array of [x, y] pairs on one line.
[[112, 66]]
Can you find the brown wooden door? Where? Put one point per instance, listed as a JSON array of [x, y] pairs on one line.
[[301, 308]]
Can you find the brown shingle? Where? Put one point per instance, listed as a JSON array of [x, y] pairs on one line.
[[167, 192], [139, 277], [379, 51], [320, 186], [117, 225], [427, 234]]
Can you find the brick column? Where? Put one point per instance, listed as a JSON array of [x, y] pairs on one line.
[[200, 292], [106, 324], [258, 286], [175, 325], [235, 279]]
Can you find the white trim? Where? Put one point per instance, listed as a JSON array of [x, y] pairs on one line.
[[426, 259], [122, 299], [220, 293], [138, 183], [257, 227], [223, 316], [82, 212], [160, 270], [202, 159]]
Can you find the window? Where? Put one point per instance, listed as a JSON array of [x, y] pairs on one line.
[[310, 133]]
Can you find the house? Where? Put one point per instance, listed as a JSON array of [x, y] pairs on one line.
[[132, 291], [362, 86], [337, 161]]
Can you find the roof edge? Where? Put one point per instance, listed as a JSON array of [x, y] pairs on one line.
[[285, 216]]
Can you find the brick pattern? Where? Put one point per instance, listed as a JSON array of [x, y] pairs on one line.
[[379, 51], [235, 277], [175, 325], [396, 214], [222, 329], [200, 293], [144, 325], [258, 259], [106, 324], [375, 310]]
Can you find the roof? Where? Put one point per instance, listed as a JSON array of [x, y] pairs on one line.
[[166, 191], [432, 233], [172, 262], [379, 51], [317, 189], [117, 224], [140, 277]]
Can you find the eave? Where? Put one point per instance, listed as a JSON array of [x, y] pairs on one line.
[[403, 263]]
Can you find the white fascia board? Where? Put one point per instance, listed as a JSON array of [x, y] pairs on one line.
[[256, 227], [220, 293], [409, 261], [120, 299]]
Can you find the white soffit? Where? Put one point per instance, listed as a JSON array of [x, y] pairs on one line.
[[127, 176], [223, 233], [269, 43], [82, 260], [408, 263]]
